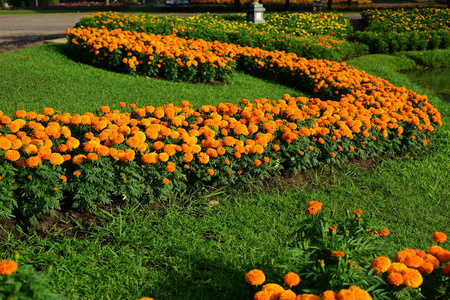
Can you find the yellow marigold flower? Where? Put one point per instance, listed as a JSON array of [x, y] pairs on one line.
[[273, 289], [412, 278], [381, 264], [7, 267], [255, 277], [287, 295], [292, 279], [439, 237]]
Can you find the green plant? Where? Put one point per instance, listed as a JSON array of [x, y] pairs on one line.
[[23, 282]]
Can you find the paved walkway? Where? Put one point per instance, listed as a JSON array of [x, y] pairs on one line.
[[16, 29]]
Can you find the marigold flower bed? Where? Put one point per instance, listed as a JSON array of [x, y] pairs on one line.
[[307, 35], [152, 151]]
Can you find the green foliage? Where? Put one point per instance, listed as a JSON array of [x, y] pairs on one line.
[[332, 253], [26, 284]]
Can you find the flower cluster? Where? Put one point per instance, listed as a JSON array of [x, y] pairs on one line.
[[398, 30], [154, 55], [411, 268], [308, 35], [271, 291], [332, 255]]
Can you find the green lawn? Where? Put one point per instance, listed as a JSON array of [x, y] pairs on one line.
[[186, 248]]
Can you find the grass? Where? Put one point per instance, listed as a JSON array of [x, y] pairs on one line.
[[188, 249]]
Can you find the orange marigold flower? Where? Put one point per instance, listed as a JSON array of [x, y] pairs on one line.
[[443, 256], [122, 104], [431, 259], [48, 111], [292, 279], [383, 232], [413, 261], [166, 181], [395, 278], [273, 289], [56, 159], [63, 178], [203, 158], [287, 295], [255, 277], [7, 267], [357, 212], [33, 161], [146, 298], [170, 167], [426, 267], [439, 237], [329, 295], [257, 162], [262, 295], [20, 114], [92, 156], [308, 297], [434, 250], [412, 278], [210, 172], [402, 255], [276, 147], [12, 155], [5, 144], [77, 173], [397, 267], [381, 264], [78, 159], [338, 253], [445, 270]]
